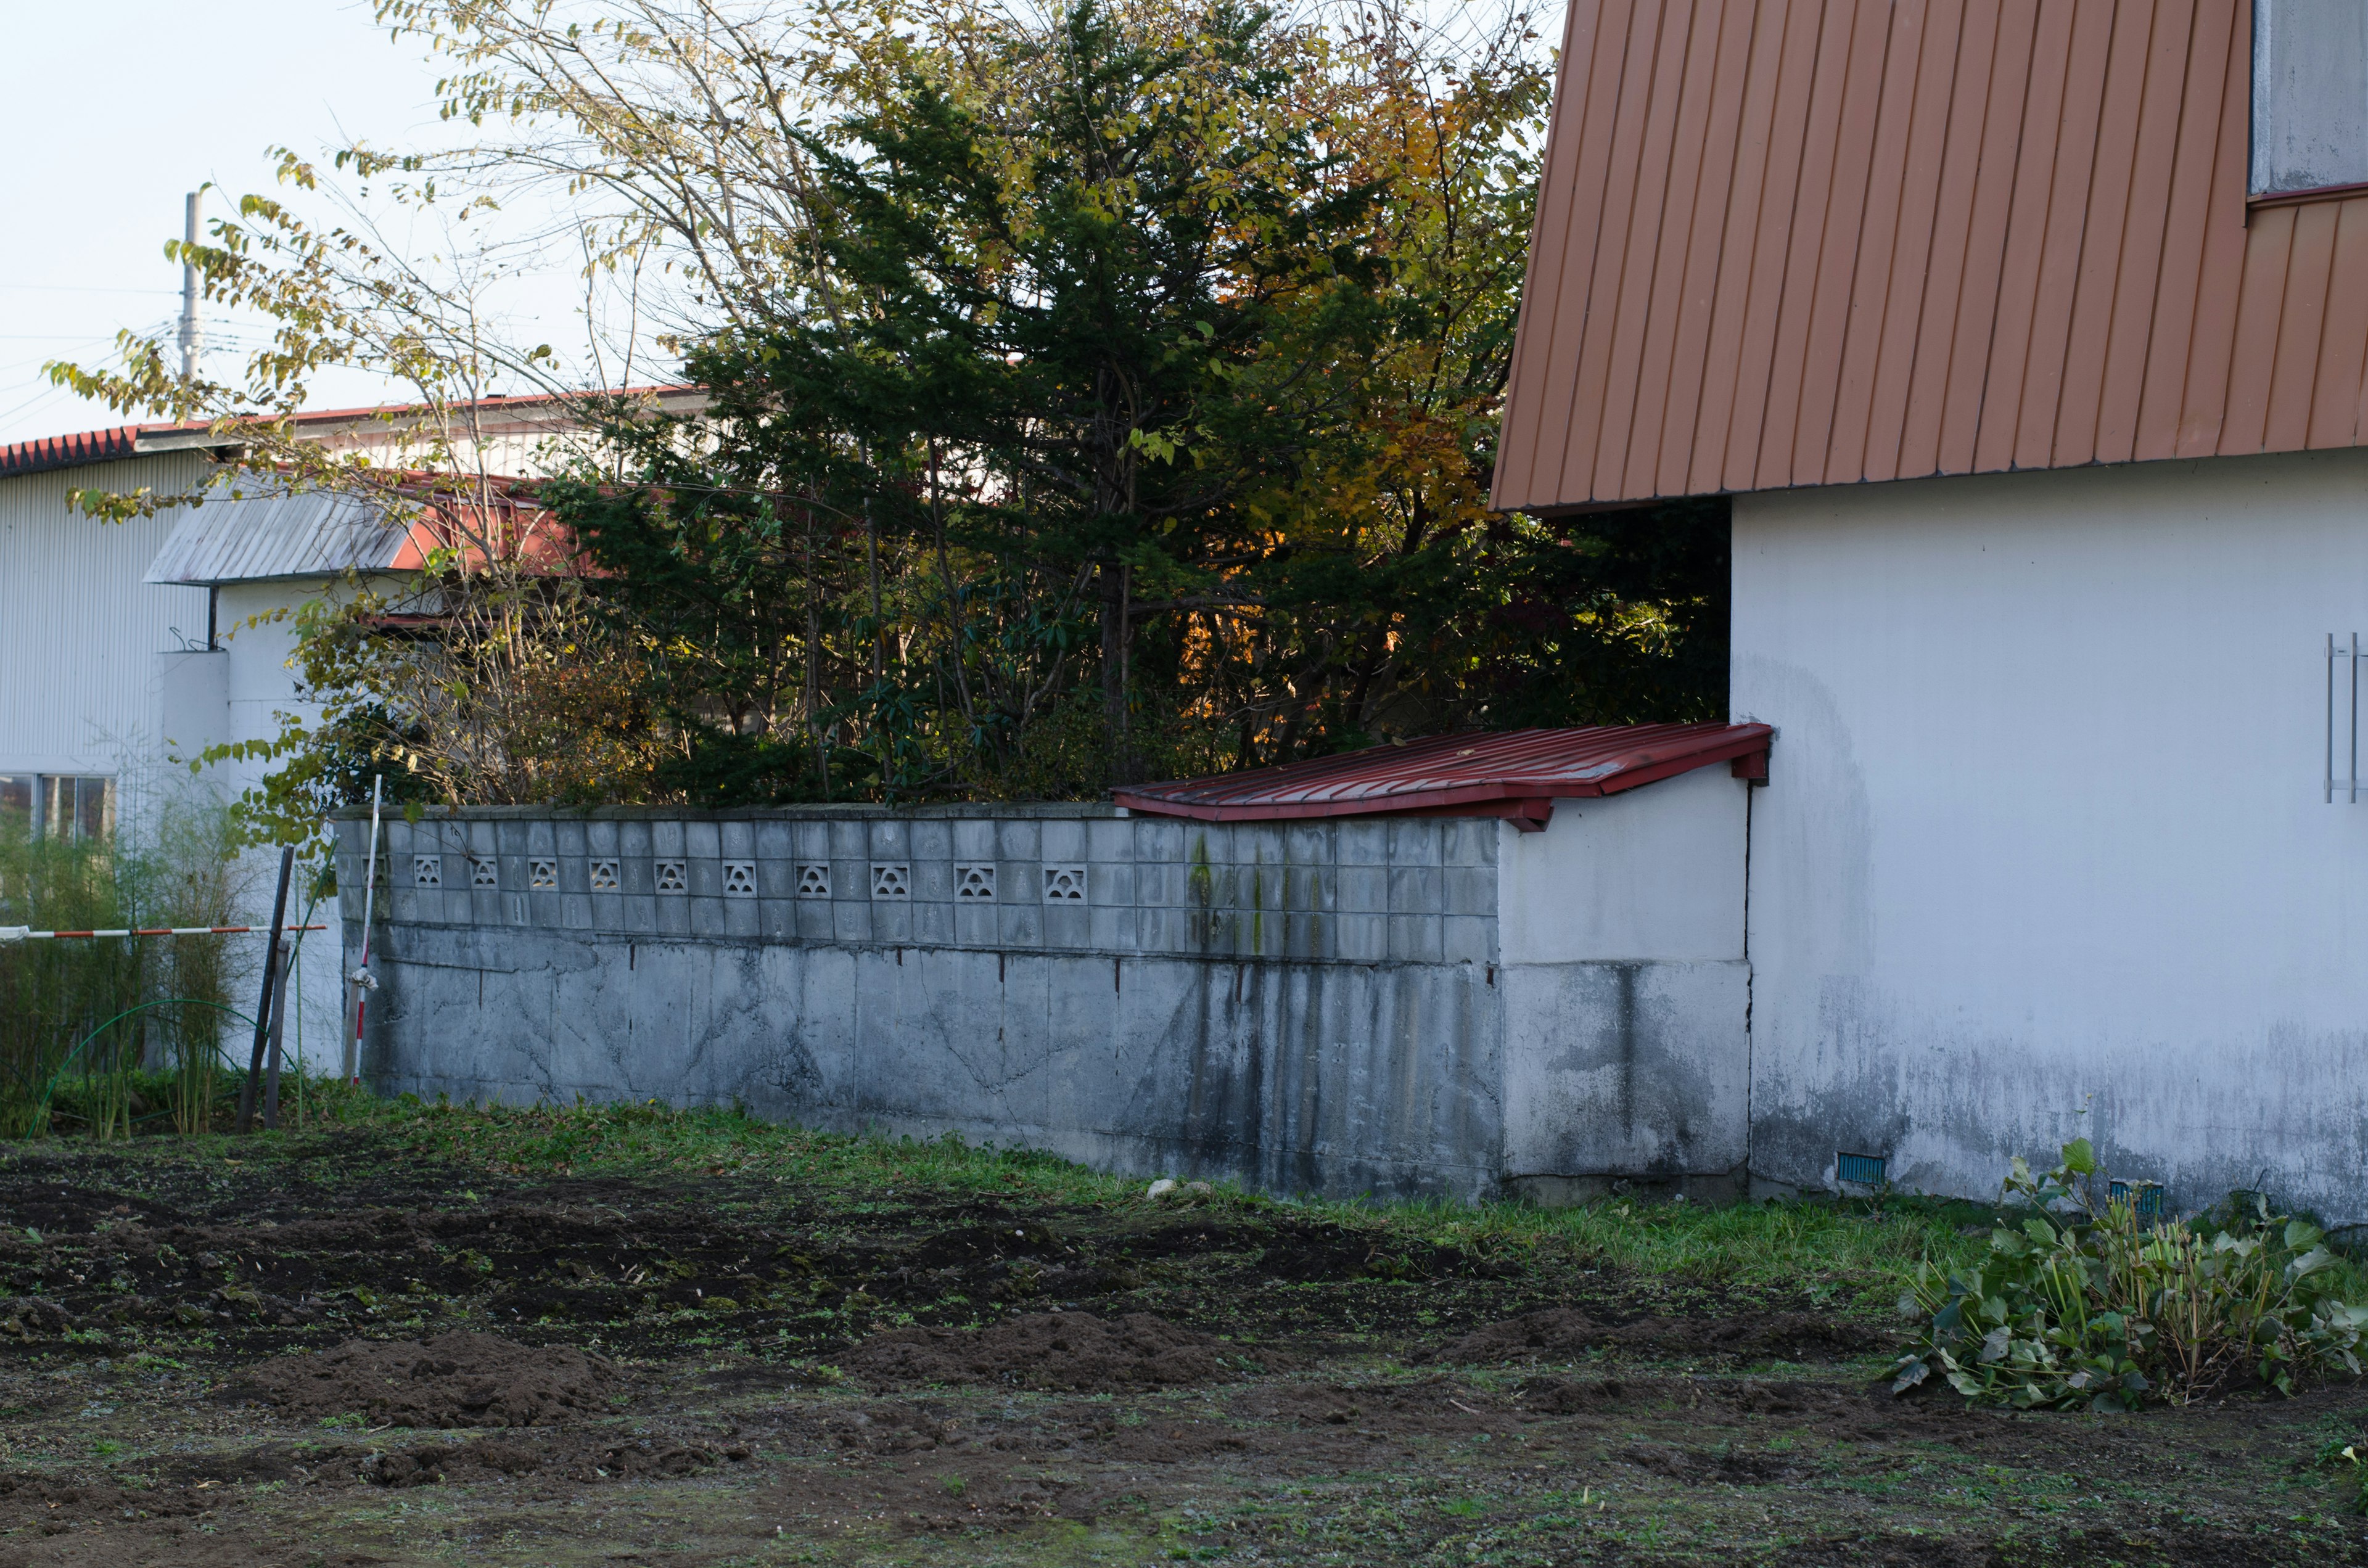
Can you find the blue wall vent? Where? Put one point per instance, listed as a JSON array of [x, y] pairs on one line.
[[2145, 1197], [1863, 1170]]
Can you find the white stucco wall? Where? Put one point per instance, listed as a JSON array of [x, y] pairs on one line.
[[258, 685], [1620, 928], [2045, 827]]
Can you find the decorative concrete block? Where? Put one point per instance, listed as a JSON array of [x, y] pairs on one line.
[[974, 839], [1468, 938], [1416, 890], [666, 840], [702, 838], [1416, 938], [933, 840]]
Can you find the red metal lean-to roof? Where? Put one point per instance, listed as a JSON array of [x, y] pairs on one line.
[[1517, 774]]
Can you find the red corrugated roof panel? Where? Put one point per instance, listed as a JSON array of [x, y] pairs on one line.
[[50, 452], [1517, 774]]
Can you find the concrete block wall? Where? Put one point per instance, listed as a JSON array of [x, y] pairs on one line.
[[1311, 1007], [1085, 881]]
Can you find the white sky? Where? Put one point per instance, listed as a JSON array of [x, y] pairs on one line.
[[113, 109]]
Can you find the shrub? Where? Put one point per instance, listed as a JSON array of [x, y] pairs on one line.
[[2089, 1305], [64, 1003]]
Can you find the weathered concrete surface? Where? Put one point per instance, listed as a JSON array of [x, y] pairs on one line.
[[1296, 1076], [1309, 1006]]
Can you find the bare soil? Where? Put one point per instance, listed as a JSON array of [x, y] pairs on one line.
[[333, 1354]]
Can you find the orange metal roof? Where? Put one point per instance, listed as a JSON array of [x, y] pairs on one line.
[[1811, 241], [1514, 773]]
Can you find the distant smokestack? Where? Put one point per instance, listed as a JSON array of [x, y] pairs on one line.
[[193, 333]]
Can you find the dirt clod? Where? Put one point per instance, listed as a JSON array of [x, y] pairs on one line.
[[1052, 1350], [453, 1379]]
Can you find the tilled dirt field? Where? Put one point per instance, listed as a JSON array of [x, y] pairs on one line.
[[332, 1353]]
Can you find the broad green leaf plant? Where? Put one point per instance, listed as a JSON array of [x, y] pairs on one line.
[[2089, 1304]]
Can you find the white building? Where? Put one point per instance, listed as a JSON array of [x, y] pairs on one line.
[[129, 646], [2031, 356]]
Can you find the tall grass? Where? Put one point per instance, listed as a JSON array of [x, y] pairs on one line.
[[94, 1012]]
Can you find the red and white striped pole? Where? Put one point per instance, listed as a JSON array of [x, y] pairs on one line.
[[27, 934]]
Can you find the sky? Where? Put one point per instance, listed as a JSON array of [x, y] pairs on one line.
[[114, 110]]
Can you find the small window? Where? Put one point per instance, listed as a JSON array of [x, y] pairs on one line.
[[2310, 95], [62, 805]]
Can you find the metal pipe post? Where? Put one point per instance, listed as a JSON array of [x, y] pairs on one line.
[[270, 979]]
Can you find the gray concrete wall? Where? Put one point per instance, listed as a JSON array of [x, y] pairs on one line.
[[1309, 1006], [1626, 992]]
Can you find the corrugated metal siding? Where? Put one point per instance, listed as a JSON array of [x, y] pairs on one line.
[[1442, 771], [79, 630], [259, 537], [1811, 241]]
